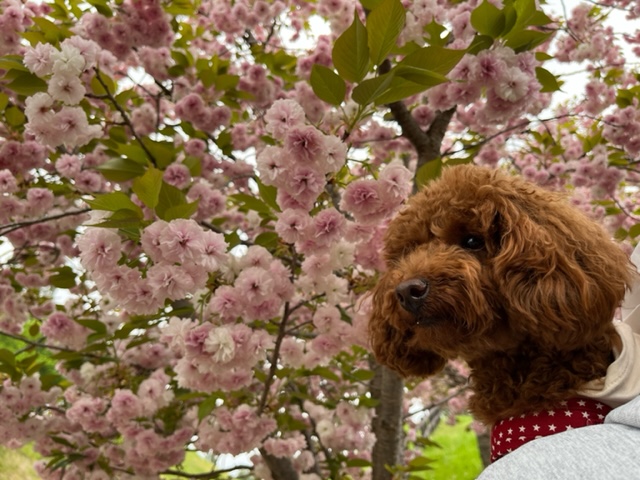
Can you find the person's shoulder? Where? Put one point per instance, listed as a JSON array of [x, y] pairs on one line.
[[605, 451]]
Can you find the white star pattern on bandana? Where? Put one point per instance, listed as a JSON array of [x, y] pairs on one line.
[[569, 414]]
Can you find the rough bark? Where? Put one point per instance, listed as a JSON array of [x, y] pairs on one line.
[[281, 468], [387, 387], [484, 446]]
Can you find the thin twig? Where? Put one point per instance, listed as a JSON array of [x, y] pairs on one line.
[[438, 403], [282, 329], [125, 118], [208, 475]]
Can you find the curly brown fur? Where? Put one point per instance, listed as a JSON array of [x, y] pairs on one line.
[[517, 282]]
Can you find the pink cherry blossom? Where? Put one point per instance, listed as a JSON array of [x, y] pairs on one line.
[[282, 116], [99, 248], [181, 241], [169, 281], [305, 144]]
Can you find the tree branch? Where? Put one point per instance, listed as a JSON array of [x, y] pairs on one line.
[[125, 117], [208, 475], [12, 227], [51, 347], [282, 329]]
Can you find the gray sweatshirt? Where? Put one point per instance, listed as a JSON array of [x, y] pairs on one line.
[[609, 451]]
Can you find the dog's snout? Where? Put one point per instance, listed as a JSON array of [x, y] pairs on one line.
[[412, 293]]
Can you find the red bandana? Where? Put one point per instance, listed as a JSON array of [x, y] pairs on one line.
[[512, 432]]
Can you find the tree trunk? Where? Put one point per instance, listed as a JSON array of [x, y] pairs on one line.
[[281, 468], [388, 388], [484, 446]]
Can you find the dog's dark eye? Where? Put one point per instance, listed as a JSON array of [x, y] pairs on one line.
[[472, 242]]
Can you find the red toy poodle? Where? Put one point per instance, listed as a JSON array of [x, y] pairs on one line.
[[508, 276]]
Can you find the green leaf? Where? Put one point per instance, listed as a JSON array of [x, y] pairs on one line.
[[226, 81], [488, 19], [547, 79], [207, 77], [164, 153], [34, 37], [49, 380], [510, 18], [26, 362], [325, 372], [370, 4], [528, 14], [327, 85], [357, 463], [12, 62], [268, 193], [97, 87], [7, 357], [361, 375], [420, 75], [118, 134], [14, 116], [232, 239], [479, 43], [62, 441], [369, 90], [634, 231], [350, 52], [180, 211], [52, 32], [102, 7], [171, 203], [4, 101], [268, 240], [249, 202], [34, 330], [64, 278], [124, 218], [434, 30], [95, 325], [543, 56], [428, 172], [620, 234], [26, 83], [431, 60], [133, 151], [112, 202], [120, 169], [524, 40], [384, 24], [400, 89], [419, 464], [206, 407], [147, 187], [194, 164]]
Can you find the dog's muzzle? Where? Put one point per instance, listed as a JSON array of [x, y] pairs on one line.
[[412, 294]]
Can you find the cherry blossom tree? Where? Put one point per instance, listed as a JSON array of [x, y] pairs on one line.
[[193, 199]]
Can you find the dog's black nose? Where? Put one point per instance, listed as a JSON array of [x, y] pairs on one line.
[[412, 293]]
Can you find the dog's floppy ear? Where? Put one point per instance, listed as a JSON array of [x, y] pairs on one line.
[[561, 274], [389, 340]]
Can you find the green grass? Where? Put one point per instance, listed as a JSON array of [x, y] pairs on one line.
[[193, 463], [458, 458], [18, 464]]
